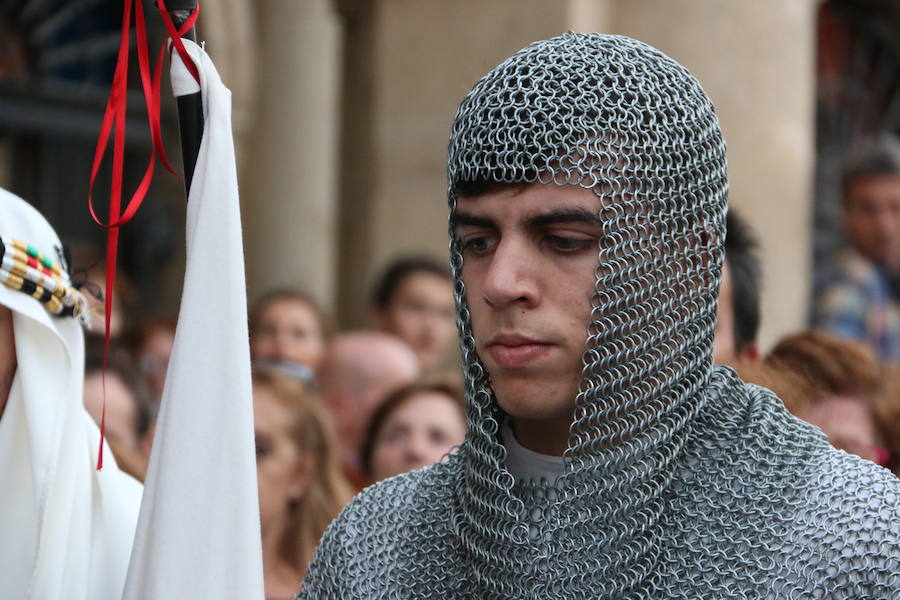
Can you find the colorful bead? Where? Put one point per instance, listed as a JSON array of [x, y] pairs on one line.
[[23, 268]]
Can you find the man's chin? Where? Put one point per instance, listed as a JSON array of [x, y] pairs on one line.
[[524, 401]]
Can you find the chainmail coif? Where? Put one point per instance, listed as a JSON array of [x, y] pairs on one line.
[[680, 480]]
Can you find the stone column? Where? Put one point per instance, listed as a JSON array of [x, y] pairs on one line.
[[757, 62], [289, 167]]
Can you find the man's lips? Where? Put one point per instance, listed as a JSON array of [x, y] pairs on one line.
[[513, 351]]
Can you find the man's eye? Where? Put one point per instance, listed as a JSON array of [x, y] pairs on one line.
[[568, 244], [477, 245]]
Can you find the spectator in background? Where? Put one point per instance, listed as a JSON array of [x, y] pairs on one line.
[[301, 488], [360, 370], [836, 382], [288, 326], [413, 300], [737, 313], [413, 428], [859, 291], [129, 410], [150, 344], [92, 272]]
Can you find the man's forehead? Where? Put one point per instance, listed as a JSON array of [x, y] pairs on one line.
[[874, 189], [529, 201]]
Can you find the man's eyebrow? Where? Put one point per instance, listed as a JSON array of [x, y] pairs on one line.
[[464, 218], [571, 215], [576, 215]]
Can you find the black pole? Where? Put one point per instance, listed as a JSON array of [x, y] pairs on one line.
[[190, 106]]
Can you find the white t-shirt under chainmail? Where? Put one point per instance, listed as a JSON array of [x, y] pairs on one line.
[[528, 466]]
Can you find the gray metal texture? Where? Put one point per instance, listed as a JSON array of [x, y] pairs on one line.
[[680, 481]]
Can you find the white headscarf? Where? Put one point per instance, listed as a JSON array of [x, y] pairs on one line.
[[66, 529]]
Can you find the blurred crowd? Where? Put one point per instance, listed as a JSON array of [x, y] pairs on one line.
[[338, 410], [333, 411]]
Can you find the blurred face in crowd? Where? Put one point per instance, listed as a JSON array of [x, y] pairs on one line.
[[279, 461], [530, 255], [96, 307], [7, 356], [849, 423], [360, 371], [422, 313], [154, 358], [121, 409], [872, 218], [725, 350], [288, 330], [416, 434]]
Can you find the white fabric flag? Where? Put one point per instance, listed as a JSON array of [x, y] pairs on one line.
[[198, 532]]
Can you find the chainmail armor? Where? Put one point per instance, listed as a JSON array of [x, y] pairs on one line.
[[680, 480]]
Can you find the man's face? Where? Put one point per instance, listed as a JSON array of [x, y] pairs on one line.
[[872, 218], [7, 355], [422, 313], [289, 330], [530, 255]]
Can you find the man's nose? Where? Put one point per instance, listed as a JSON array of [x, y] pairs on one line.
[[510, 278]]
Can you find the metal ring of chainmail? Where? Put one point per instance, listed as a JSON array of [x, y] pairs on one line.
[[680, 481]]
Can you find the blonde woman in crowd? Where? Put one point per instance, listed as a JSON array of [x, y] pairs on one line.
[[301, 488]]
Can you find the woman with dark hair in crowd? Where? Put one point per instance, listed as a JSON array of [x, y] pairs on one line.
[[413, 428], [287, 326], [301, 488]]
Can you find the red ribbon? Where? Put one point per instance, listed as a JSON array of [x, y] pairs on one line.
[[114, 115]]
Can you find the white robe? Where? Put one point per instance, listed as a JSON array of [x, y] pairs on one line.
[[66, 529]]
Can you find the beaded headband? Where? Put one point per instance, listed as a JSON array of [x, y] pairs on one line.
[[24, 269]]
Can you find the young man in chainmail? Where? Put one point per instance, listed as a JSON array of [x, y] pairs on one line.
[[606, 456]]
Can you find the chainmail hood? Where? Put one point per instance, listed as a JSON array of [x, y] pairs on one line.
[[614, 115], [671, 465]]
